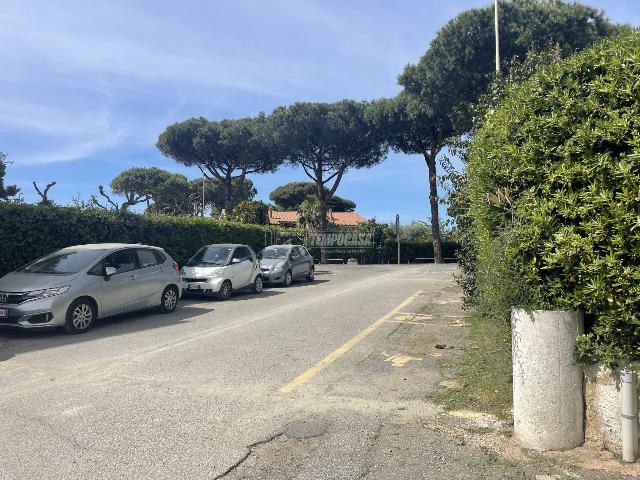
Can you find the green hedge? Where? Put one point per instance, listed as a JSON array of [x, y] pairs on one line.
[[554, 182], [388, 252], [31, 231]]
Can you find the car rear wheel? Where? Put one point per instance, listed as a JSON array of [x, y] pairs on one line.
[[80, 316], [225, 290], [288, 278], [257, 284], [169, 300], [312, 274]]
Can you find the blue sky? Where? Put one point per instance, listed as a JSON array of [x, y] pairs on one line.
[[87, 86]]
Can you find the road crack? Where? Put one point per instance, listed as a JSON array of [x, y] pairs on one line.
[[248, 453]]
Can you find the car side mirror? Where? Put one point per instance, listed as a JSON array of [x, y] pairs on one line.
[[109, 271], [235, 260]]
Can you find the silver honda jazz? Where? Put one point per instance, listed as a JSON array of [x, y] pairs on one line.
[[75, 286]]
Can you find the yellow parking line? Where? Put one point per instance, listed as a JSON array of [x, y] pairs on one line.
[[333, 356]]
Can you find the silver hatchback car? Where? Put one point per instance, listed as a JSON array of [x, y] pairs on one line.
[[73, 287]]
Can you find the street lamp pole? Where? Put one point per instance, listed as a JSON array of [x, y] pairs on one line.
[[497, 39]]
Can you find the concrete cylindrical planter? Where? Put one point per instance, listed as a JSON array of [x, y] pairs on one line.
[[548, 405]]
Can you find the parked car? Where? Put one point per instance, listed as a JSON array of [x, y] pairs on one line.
[[286, 263], [220, 269], [75, 286]]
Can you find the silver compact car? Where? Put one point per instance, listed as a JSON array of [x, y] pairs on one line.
[[73, 287], [286, 263], [220, 269]]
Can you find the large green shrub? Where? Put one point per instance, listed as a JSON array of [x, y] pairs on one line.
[[30, 231], [554, 185]]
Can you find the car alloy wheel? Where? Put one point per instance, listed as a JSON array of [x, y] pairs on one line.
[[225, 290], [312, 274], [287, 279], [81, 316], [257, 284], [169, 299]]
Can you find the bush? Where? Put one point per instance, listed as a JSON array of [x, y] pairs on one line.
[[250, 211], [554, 186], [31, 231]]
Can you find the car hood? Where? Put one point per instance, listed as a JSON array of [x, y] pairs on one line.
[[270, 262], [26, 282], [196, 272]]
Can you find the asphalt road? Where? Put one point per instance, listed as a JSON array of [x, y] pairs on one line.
[[323, 380]]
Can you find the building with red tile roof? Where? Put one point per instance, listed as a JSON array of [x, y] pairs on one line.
[[290, 218]]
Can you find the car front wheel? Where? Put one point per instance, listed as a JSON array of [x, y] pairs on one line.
[[311, 275], [288, 278], [225, 290], [80, 316]]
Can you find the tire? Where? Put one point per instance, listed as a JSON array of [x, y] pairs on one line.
[[288, 279], [225, 290], [312, 274], [169, 299], [257, 284], [80, 316]]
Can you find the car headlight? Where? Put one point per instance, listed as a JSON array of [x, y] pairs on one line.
[[46, 293], [278, 266], [214, 274]]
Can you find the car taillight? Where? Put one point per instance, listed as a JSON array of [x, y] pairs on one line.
[[176, 267]]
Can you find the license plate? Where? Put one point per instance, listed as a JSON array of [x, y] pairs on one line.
[[195, 286], [4, 313]]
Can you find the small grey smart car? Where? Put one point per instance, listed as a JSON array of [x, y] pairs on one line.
[[286, 263], [73, 287], [220, 269]]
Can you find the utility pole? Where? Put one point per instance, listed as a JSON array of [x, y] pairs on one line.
[[203, 177], [398, 235], [497, 41]]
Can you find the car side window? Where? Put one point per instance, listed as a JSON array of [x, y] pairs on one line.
[[304, 251], [97, 269], [146, 258], [121, 260], [295, 252], [242, 254]]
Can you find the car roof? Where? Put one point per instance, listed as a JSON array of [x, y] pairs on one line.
[[285, 245], [109, 246], [227, 245]]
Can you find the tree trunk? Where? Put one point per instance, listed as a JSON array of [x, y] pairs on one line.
[[433, 201], [228, 195], [323, 224]]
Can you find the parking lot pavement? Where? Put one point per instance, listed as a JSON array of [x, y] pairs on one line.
[[319, 380]]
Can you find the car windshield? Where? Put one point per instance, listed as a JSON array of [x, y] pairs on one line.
[[208, 256], [274, 252], [63, 262]]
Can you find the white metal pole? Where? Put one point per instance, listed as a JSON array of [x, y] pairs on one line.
[[629, 414], [497, 39]]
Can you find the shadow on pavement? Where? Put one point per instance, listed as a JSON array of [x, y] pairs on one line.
[[16, 341]]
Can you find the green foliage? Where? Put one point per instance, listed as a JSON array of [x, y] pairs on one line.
[[291, 195], [554, 182], [31, 231], [460, 61], [6, 191], [309, 214], [250, 211], [226, 150], [326, 140]]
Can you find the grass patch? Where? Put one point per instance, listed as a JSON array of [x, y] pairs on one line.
[[483, 370]]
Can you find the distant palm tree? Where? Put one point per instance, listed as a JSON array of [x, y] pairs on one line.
[[309, 214]]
